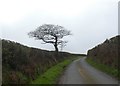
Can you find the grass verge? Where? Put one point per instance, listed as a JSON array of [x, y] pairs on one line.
[[108, 70], [51, 75]]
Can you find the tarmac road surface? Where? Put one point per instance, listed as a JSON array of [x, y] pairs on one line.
[[80, 72]]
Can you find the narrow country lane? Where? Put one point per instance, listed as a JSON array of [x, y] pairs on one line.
[[80, 72]]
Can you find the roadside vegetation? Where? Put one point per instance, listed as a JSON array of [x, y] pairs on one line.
[[51, 76], [106, 56], [105, 68]]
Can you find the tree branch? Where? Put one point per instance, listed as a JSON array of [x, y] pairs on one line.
[[48, 41]]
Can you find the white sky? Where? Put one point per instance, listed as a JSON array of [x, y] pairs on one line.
[[90, 21]]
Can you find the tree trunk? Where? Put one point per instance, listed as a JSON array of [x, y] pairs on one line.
[[56, 48], [55, 45]]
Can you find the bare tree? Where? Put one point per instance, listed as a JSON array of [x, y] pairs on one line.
[[50, 33], [63, 44]]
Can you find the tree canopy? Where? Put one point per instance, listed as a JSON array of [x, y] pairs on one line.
[[50, 33]]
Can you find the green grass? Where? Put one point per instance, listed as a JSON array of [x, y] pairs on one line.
[[108, 70], [51, 75]]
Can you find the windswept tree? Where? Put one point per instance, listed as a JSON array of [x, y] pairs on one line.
[[50, 33]]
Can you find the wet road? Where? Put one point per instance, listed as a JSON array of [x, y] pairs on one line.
[[80, 72]]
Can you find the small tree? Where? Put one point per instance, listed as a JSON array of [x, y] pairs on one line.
[[52, 34]]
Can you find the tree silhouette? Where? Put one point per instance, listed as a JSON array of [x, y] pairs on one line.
[[50, 33]]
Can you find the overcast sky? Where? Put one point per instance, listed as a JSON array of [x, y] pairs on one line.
[[90, 21]]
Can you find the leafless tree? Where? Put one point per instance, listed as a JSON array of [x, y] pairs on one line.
[[63, 44], [50, 33]]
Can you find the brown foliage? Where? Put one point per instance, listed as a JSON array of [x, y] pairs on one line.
[[22, 64], [106, 53]]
